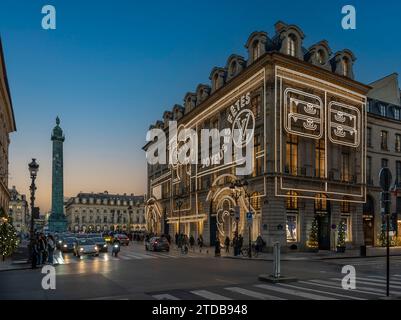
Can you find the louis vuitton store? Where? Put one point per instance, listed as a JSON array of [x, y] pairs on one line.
[[307, 184]]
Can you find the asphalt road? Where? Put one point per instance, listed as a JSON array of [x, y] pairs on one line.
[[137, 274]]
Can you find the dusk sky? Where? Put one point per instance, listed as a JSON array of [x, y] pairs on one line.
[[111, 68]]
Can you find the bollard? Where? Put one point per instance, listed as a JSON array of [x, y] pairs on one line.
[[276, 260]]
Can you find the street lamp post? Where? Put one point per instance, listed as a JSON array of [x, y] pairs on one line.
[[33, 170]]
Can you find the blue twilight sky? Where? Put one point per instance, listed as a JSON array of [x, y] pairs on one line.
[[112, 67]]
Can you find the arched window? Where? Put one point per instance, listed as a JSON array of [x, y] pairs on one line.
[[321, 57], [292, 45], [345, 64], [255, 50]]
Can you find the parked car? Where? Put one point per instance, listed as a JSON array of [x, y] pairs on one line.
[[101, 243], [85, 247], [68, 244], [157, 244], [122, 238]]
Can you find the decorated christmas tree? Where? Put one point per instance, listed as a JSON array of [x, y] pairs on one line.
[[8, 236], [313, 241], [341, 235]]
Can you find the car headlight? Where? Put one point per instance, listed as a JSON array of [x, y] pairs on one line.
[[81, 249], [65, 246], [60, 241], [96, 248], [105, 246]]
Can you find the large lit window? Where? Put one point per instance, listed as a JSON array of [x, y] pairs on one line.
[[346, 220], [257, 156], [292, 44], [345, 169], [291, 154], [320, 159], [292, 227], [292, 201], [321, 202], [256, 105]]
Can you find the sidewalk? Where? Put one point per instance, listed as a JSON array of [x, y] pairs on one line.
[[17, 262], [372, 252]]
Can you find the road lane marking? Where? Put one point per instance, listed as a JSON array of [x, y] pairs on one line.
[[319, 291], [294, 292], [165, 296], [209, 295], [254, 294]]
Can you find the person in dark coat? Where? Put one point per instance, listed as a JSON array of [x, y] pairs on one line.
[[227, 244], [217, 248]]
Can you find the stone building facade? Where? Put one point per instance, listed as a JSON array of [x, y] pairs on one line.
[[19, 211], [95, 212], [384, 150], [308, 117], [7, 126]]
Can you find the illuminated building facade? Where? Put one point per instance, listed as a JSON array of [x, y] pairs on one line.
[[95, 212], [7, 126], [308, 117], [19, 211]]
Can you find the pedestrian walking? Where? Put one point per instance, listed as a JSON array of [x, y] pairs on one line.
[[200, 243], [227, 244], [34, 253], [192, 242], [217, 248], [51, 245]]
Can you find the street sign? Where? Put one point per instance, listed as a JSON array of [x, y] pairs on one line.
[[249, 216], [385, 179]]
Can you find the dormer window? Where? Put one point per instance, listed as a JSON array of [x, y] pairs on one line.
[[345, 64], [255, 50], [397, 114], [320, 57], [292, 45], [233, 68], [383, 110], [216, 81]]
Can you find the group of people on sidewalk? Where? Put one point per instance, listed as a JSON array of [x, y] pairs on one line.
[[42, 250], [185, 243], [237, 244]]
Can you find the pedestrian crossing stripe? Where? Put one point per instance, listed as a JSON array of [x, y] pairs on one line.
[[308, 289], [209, 295], [371, 283], [294, 292], [323, 292], [254, 294], [333, 285]]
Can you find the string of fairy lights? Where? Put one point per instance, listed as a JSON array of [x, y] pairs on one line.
[[8, 236]]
